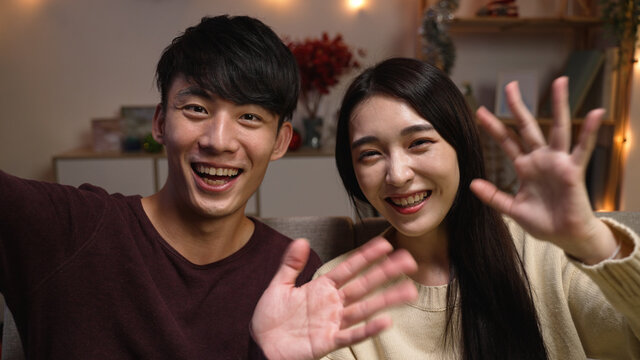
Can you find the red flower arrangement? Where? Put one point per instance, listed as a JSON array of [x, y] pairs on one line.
[[321, 61]]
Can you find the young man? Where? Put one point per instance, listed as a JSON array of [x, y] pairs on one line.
[[177, 275]]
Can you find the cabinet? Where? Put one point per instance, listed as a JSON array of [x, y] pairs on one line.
[[485, 46], [303, 183]]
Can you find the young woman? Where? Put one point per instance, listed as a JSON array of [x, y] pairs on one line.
[[547, 280]]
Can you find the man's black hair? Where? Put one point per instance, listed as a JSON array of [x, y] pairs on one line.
[[237, 58]]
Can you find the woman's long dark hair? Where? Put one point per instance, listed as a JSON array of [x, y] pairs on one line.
[[497, 314]]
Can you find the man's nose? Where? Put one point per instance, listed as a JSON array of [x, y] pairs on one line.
[[219, 135]]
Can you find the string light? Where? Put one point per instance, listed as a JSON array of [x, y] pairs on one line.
[[356, 4]]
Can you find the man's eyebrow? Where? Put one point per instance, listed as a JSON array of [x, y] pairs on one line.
[[416, 128], [193, 91]]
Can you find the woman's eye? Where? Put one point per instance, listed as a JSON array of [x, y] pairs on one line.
[[196, 108], [420, 142], [367, 154]]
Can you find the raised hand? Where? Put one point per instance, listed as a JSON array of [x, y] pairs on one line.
[[312, 320], [552, 202]]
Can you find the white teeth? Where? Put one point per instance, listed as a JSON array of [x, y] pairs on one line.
[[410, 200], [216, 171]]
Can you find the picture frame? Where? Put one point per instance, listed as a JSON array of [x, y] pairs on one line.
[[528, 83]]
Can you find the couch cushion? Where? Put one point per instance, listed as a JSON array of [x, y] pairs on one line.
[[329, 236]]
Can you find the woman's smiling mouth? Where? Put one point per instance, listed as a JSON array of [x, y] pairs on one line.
[[410, 201]]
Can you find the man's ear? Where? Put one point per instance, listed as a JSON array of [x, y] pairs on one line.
[[282, 140], [158, 124]]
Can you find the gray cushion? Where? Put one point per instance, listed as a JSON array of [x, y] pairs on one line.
[[329, 236]]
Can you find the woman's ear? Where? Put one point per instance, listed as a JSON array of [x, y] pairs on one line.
[[158, 124], [282, 140]]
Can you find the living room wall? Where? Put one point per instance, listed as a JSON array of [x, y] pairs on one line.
[[65, 62]]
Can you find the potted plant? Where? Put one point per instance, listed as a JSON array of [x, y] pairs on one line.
[[322, 61]]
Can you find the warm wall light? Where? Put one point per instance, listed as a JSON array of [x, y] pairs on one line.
[[30, 4], [280, 3], [356, 4]]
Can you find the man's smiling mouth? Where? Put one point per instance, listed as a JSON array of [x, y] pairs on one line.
[[215, 176]]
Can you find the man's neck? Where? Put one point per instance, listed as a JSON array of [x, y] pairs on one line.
[[199, 239]]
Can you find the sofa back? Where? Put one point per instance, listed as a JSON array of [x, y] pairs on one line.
[[328, 236]]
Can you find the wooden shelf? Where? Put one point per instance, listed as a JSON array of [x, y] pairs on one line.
[[503, 24], [544, 122]]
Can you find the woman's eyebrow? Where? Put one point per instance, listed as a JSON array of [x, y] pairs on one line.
[[363, 140], [416, 128]]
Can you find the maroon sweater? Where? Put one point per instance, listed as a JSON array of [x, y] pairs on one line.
[[87, 276]]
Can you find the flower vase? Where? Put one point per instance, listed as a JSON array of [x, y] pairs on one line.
[[312, 131]]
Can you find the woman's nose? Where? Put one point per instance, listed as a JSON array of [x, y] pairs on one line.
[[399, 170]]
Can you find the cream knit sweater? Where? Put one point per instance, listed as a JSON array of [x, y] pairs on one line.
[[585, 311]]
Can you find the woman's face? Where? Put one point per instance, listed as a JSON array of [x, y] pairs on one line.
[[407, 171]]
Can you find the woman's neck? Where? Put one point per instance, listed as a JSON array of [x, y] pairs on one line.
[[430, 252]]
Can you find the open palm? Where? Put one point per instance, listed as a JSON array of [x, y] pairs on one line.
[[310, 321], [552, 202]]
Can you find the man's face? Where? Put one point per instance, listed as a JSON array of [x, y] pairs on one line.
[[218, 151]]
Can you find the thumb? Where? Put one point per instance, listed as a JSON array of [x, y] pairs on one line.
[[293, 261]]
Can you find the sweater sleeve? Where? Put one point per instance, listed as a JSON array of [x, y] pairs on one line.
[[605, 302], [41, 225]]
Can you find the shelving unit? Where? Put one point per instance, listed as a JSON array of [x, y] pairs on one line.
[[584, 33]]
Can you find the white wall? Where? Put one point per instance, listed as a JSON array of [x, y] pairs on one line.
[[65, 62]]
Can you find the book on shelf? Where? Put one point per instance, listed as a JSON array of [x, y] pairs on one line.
[[582, 69], [609, 81]]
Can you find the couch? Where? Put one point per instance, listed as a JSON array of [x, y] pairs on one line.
[[329, 236]]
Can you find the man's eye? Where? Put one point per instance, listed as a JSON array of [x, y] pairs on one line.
[[196, 108], [250, 117]]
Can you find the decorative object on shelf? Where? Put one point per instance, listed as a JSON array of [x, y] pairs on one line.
[[499, 8], [622, 18], [296, 140], [322, 61], [585, 9], [136, 124], [528, 84], [150, 145], [438, 48], [469, 97], [106, 135]]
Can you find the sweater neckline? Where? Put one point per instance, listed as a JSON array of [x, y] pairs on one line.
[[431, 298]]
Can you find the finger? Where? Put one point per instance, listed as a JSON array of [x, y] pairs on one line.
[[498, 132], [527, 125], [366, 255], [372, 327], [490, 195], [293, 261], [397, 294], [398, 263], [588, 136], [560, 134]]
